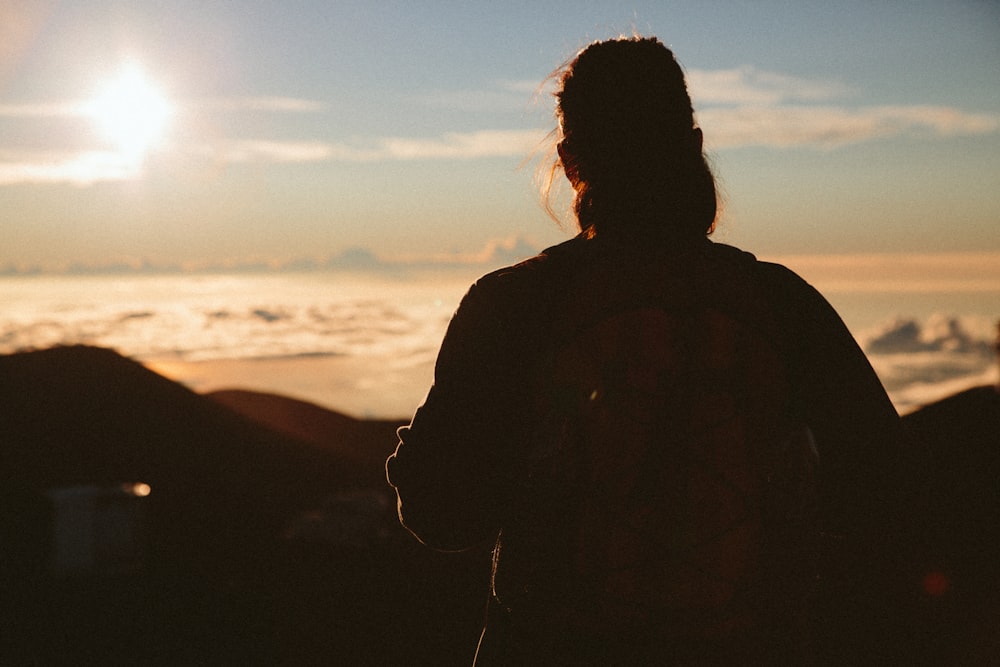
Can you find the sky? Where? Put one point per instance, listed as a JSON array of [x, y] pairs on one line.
[[193, 134]]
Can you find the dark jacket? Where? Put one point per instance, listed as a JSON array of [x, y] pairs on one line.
[[460, 466]]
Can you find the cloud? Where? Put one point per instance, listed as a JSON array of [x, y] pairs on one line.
[[828, 127], [822, 127], [939, 333], [89, 167], [738, 107], [495, 253], [449, 146], [507, 251], [86, 167], [920, 362], [277, 104], [245, 317], [94, 166], [745, 106], [275, 151], [273, 104], [80, 169], [41, 110], [901, 273], [267, 316], [463, 145], [749, 86], [354, 258]]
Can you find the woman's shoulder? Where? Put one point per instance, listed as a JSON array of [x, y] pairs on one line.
[[774, 274]]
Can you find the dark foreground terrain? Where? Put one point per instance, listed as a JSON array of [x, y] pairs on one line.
[[270, 540], [269, 535]]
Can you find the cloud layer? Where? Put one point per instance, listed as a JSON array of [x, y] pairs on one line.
[[737, 107], [381, 323], [826, 127], [79, 168], [749, 86], [923, 361]]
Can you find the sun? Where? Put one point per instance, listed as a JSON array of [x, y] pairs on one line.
[[131, 112]]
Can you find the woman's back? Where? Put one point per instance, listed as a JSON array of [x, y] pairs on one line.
[[668, 474], [656, 429]]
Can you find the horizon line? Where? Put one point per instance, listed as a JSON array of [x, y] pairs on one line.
[[949, 271]]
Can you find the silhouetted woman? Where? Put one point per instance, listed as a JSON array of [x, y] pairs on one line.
[[677, 449]]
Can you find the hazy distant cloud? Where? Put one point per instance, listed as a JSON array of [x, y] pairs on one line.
[[495, 253], [484, 143], [275, 104], [737, 107], [506, 251], [830, 127], [902, 273], [738, 86], [41, 110], [750, 107], [940, 333], [750, 86], [86, 167], [89, 167], [922, 361], [451, 146], [275, 151], [78, 168]]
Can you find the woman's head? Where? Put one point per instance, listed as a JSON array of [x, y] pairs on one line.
[[629, 145]]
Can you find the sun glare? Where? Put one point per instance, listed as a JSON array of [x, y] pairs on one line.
[[130, 112]]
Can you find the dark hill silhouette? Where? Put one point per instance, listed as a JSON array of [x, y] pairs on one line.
[[363, 444], [951, 536], [73, 413], [231, 576], [83, 415]]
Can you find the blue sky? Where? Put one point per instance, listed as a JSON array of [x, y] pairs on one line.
[[301, 129]]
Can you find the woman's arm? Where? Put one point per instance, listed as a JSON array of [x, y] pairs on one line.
[[451, 469], [837, 393]]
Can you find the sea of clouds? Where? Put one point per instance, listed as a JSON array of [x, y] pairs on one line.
[[213, 317], [194, 318], [923, 361]]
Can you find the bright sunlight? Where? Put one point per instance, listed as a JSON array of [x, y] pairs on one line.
[[130, 112]]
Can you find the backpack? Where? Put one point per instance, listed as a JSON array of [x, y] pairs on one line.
[[667, 495]]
